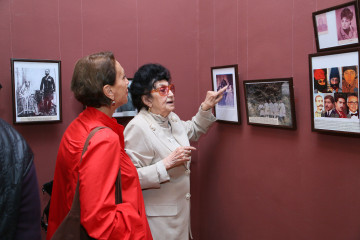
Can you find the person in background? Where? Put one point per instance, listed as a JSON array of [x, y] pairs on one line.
[[99, 83], [157, 141], [319, 102], [346, 31], [320, 82], [353, 105], [20, 197], [334, 80], [47, 86], [329, 106], [340, 106]]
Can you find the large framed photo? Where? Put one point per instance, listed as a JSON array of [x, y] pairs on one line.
[[227, 110], [334, 91], [270, 103], [128, 109], [337, 27], [36, 86]]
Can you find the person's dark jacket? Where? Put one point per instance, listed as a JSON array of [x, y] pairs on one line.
[[19, 191]]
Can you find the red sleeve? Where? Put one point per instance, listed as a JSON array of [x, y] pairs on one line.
[[100, 216]]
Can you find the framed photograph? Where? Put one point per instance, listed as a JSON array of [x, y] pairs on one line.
[[36, 86], [270, 103], [128, 109], [337, 27], [334, 91], [227, 110]]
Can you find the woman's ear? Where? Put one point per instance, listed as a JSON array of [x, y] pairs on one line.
[[146, 100], [108, 92]]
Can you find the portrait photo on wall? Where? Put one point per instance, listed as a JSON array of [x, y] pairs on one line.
[[334, 84], [36, 88], [227, 110], [337, 27], [270, 103], [128, 109]]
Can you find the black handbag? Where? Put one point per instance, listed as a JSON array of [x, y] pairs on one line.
[[70, 228]]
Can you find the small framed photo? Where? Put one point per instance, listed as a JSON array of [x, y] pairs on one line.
[[270, 103], [36, 88], [128, 109], [337, 27], [334, 91], [227, 110]]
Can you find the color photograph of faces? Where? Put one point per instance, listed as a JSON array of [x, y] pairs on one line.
[[335, 91], [336, 27]]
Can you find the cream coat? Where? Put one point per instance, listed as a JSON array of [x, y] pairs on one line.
[[166, 193]]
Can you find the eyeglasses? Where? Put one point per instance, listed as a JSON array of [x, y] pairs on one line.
[[164, 90], [352, 102]]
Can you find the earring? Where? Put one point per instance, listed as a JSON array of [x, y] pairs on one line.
[[113, 103], [149, 109]]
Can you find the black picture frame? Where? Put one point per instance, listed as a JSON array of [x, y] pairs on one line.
[[328, 31], [36, 96], [334, 83], [228, 109], [127, 110], [270, 103]]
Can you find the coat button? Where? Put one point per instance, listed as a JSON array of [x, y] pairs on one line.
[[187, 196], [187, 172]]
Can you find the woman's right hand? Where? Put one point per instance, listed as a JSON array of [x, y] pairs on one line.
[[178, 157]]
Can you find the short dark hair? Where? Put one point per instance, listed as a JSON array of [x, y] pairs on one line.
[[91, 74], [346, 12], [144, 80], [340, 95], [331, 98]]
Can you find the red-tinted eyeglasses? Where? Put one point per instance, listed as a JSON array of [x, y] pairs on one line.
[[164, 90]]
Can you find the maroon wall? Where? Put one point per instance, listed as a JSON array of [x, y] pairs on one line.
[[248, 182], [264, 183]]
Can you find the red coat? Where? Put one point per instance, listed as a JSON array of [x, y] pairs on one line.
[[100, 216]]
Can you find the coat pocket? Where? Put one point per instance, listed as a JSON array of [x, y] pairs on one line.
[[161, 210]]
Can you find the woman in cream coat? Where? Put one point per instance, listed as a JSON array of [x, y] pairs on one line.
[[157, 141]]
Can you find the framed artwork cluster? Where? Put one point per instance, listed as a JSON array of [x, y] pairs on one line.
[[337, 27], [334, 71], [269, 102]]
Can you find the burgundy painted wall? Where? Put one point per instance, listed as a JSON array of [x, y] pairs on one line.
[[264, 183], [248, 182]]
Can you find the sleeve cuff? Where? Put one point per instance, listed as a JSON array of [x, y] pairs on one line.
[[163, 175], [207, 114]]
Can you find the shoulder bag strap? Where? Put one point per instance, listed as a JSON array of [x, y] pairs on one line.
[[118, 195], [70, 227]]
